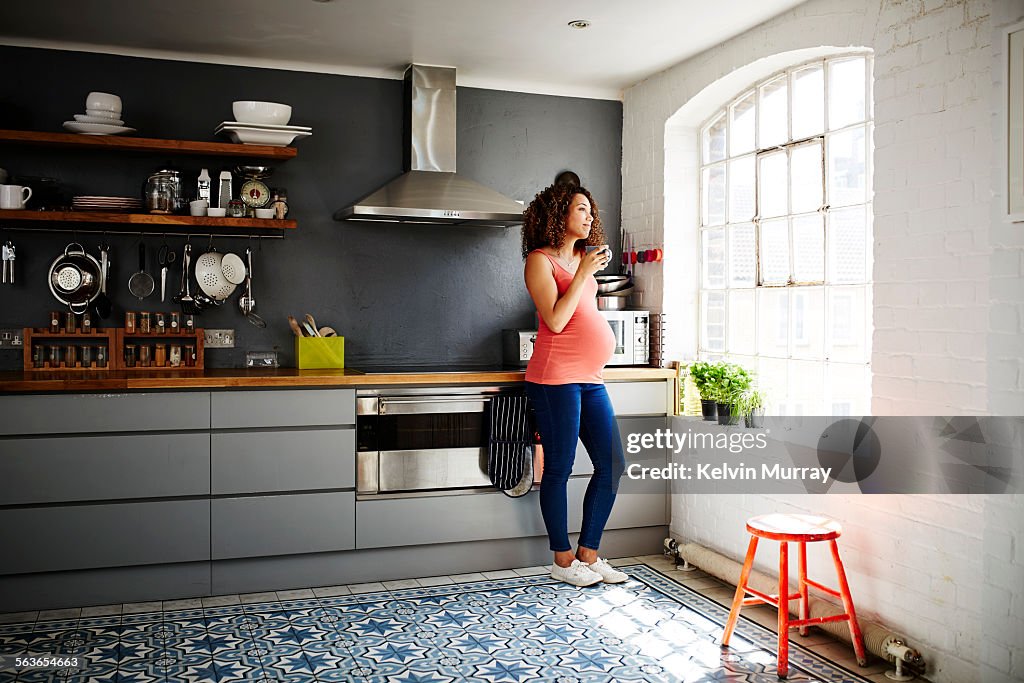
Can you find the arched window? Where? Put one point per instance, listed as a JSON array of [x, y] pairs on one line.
[[785, 236]]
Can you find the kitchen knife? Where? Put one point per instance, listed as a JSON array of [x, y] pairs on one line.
[[294, 324]]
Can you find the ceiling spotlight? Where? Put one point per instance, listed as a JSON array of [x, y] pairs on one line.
[[579, 23]]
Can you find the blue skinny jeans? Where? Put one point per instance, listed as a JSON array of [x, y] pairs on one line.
[[563, 413]]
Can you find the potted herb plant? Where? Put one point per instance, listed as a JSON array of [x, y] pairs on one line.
[[701, 373], [750, 404], [730, 382]]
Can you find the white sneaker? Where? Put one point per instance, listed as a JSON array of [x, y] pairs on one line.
[[577, 573], [608, 573]]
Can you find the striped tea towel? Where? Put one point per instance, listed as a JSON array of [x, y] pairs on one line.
[[510, 448]]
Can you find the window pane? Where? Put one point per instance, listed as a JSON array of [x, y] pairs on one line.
[[741, 139], [808, 248], [775, 252], [741, 189], [847, 245], [808, 316], [847, 337], [806, 191], [808, 101], [713, 140], [774, 128], [846, 83], [742, 256], [713, 261], [806, 393], [742, 322], [772, 176], [773, 322], [846, 168], [772, 380], [713, 200], [712, 329], [848, 389]]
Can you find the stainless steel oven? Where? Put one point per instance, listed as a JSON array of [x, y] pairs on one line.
[[415, 441]]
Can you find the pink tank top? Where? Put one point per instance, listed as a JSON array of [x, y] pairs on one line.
[[578, 353]]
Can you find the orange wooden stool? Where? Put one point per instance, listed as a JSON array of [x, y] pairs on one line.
[[802, 529]]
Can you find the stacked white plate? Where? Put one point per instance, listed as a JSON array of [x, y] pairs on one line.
[[262, 133], [94, 203], [97, 122]]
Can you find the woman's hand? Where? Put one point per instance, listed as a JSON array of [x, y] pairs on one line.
[[594, 261]]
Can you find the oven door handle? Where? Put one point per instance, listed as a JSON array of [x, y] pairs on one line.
[[434, 404]]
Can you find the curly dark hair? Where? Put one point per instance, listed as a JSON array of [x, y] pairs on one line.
[[544, 218]]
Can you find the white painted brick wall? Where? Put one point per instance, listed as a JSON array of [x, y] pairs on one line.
[[948, 571]]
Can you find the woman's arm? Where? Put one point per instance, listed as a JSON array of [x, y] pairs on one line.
[[555, 311]]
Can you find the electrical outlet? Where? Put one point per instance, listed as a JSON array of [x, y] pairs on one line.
[[219, 339], [10, 339]]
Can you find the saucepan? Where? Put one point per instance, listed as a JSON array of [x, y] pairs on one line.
[[75, 278]]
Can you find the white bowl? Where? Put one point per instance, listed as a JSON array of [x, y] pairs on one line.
[[250, 111], [100, 114], [264, 213], [216, 212], [103, 101]]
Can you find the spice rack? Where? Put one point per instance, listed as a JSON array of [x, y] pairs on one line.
[[94, 339], [150, 339]]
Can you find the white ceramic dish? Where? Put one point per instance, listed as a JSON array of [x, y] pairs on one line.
[[252, 111], [255, 136], [95, 128], [85, 118], [100, 114], [262, 126], [103, 101]]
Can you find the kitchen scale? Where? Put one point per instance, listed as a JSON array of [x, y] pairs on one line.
[[254, 193]]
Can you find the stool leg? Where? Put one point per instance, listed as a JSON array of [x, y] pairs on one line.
[[737, 601], [844, 589], [805, 611], [783, 664]]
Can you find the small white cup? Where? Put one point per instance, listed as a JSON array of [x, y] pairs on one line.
[[14, 196], [103, 101], [217, 212], [198, 207], [264, 213]]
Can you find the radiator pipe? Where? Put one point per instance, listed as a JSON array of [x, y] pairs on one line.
[[878, 640]]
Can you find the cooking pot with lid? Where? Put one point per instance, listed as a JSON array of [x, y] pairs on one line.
[[75, 278]]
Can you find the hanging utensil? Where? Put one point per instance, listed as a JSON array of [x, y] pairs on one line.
[[233, 269], [74, 278], [165, 257], [103, 305], [8, 261], [312, 324], [141, 284], [294, 324], [246, 303], [210, 276], [188, 304]]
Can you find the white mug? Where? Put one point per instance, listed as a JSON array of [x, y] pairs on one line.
[[198, 207], [14, 196]]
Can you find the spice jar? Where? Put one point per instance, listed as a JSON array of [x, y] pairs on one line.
[[55, 356], [175, 322], [129, 322], [160, 355], [87, 356], [236, 209], [189, 323], [129, 355], [145, 355], [190, 355], [71, 356], [54, 322], [86, 322], [175, 355], [161, 322], [145, 323], [70, 323], [101, 356], [38, 356]]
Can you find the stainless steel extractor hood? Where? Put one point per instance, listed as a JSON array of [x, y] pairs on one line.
[[430, 191]]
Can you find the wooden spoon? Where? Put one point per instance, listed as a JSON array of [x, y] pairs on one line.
[[294, 324]]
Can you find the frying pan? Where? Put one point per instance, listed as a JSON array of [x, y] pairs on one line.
[[141, 284]]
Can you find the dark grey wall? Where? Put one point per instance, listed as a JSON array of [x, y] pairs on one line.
[[399, 294]]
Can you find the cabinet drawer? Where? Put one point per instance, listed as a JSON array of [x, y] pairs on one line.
[[283, 408], [104, 467], [254, 462], [282, 525], [75, 413], [114, 535], [641, 398]]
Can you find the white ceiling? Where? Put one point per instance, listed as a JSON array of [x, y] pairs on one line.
[[520, 45]]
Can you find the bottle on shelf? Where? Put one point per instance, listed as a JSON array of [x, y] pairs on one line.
[[203, 186]]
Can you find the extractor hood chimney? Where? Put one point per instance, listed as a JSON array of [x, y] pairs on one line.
[[430, 191]]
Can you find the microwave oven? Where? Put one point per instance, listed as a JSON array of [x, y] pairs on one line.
[[630, 328]]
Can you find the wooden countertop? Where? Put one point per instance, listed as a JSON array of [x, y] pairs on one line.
[[56, 381]]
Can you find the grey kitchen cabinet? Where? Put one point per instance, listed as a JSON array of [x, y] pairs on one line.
[[262, 526], [641, 398], [283, 408], [96, 413], [107, 467], [289, 460], [58, 538]]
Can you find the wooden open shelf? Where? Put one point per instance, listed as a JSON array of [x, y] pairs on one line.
[[146, 219], [120, 143]]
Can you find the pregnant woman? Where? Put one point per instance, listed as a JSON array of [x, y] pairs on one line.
[[563, 379]]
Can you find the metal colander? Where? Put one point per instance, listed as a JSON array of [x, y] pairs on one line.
[[68, 278], [210, 276]]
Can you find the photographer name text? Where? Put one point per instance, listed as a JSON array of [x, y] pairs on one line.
[[719, 472]]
